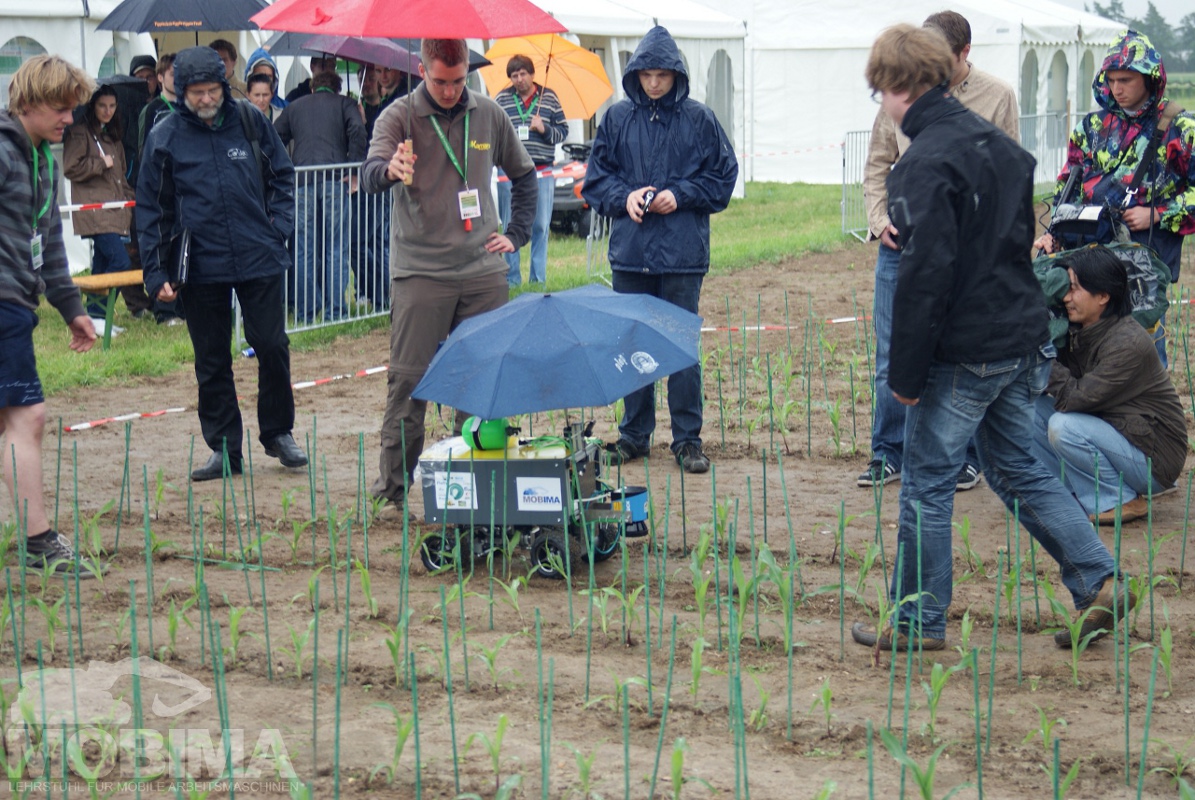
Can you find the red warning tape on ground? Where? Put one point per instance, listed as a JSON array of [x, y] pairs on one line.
[[95, 423]]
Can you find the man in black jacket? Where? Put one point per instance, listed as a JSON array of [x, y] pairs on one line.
[[326, 128], [231, 188], [968, 324]]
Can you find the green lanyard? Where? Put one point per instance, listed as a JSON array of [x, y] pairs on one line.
[[530, 112], [37, 215], [168, 104], [462, 171], [324, 89]]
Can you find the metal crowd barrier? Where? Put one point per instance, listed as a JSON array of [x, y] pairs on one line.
[[1043, 135]]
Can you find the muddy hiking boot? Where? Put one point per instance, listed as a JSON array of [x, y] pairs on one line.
[[865, 634], [692, 459], [623, 451], [1108, 607], [53, 550]]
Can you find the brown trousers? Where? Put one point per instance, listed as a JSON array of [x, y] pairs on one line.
[[423, 311]]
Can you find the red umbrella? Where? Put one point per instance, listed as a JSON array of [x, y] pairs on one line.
[[434, 19]]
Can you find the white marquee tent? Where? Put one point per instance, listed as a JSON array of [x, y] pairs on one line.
[[710, 42], [805, 64]]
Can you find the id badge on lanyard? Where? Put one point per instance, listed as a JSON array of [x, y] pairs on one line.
[[36, 250]]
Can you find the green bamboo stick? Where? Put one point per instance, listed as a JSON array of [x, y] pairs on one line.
[[898, 577], [265, 607], [1149, 545], [871, 783], [456, 774], [647, 622], [655, 770], [992, 666], [764, 460], [1016, 522], [124, 479], [149, 561], [1057, 773], [1186, 522], [626, 744], [771, 408], [17, 649], [717, 566], [663, 558], [721, 406], [788, 329], [754, 562], [1149, 708], [978, 720], [315, 684], [415, 722], [248, 485], [58, 474], [336, 722], [842, 580], [137, 708]]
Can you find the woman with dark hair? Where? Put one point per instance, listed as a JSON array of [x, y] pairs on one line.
[[1110, 412], [94, 162]]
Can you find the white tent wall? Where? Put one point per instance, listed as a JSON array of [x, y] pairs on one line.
[[805, 63], [711, 43]]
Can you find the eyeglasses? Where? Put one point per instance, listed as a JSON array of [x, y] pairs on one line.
[[196, 94]]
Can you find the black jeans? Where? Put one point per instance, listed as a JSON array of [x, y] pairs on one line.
[[209, 321]]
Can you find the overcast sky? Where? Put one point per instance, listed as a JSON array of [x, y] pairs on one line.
[[1171, 10]]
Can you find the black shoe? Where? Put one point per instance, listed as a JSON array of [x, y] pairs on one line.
[[53, 550], [878, 472], [623, 451], [865, 634], [1107, 608], [283, 448], [214, 468], [968, 478], [691, 459]]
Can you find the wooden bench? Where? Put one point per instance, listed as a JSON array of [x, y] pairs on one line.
[[112, 283]]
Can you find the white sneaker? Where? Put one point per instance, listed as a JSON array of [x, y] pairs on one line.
[[99, 325]]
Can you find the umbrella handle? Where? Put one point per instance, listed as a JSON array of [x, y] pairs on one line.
[[409, 179]]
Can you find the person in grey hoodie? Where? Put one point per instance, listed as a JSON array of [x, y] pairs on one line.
[[42, 96]]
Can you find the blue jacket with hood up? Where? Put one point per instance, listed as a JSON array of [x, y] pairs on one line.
[[673, 143], [262, 56], [205, 178]]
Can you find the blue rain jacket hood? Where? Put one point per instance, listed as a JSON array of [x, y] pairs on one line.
[[198, 65], [658, 50], [262, 56], [674, 144]]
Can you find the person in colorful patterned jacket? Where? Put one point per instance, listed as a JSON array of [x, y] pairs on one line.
[[1108, 145]]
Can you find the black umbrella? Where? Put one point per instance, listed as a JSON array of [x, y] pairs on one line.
[[150, 16]]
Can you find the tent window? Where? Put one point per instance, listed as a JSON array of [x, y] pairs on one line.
[[1086, 75], [13, 53], [1029, 84], [719, 92], [1056, 81], [108, 64]]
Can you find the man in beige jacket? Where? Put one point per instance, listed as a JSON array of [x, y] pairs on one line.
[[995, 101]]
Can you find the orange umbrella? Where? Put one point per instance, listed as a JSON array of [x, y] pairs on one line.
[[575, 74]]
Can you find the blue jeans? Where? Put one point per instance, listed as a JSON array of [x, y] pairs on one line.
[[539, 231], [992, 403], [322, 254], [1079, 442], [888, 420], [108, 254], [684, 387]]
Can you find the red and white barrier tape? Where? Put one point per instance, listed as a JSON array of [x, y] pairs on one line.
[[95, 423], [754, 328], [98, 206], [572, 170]]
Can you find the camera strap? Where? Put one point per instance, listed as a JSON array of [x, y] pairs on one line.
[[1150, 155]]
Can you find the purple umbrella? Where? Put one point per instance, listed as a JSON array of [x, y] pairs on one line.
[[382, 52]]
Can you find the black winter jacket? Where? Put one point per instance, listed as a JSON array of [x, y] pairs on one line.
[[205, 178], [962, 199]]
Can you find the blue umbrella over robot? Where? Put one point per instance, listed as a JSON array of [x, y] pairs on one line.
[[573, 349]]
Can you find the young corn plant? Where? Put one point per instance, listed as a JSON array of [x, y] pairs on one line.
[[600, 605], [174, 616], [510, 593], [585, 763], [974, 562], [1079, 642], [402, 731], [235, 634], [493, 746], [296, 653], [1180, 760], [1044, 730], [679, 748], [630, 609], [702, 578], [923, 777], [52, 614], [759, 716], [489, 656], [823, 699], [938, 678], [371, 602]]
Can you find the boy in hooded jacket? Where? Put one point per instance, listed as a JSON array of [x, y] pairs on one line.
[[661, 164], [1109, 144]]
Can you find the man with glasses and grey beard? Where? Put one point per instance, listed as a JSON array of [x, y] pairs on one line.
[[218, 170]]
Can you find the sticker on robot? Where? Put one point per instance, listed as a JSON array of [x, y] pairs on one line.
[[539, 494], [456, 492]]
